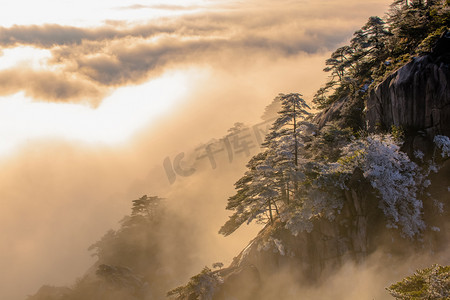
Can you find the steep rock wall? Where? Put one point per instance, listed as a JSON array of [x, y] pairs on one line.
[[416, 97]]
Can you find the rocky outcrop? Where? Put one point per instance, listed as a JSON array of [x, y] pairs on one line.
[[309, 255], [356, 233], [416, 97], [330, 114]]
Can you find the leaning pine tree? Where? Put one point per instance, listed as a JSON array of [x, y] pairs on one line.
[[271, 181]]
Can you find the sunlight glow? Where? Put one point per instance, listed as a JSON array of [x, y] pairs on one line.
[[24, 56], [118, 117], [86, 13]]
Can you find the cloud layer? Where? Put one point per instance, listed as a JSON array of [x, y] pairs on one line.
[[59, 197], [86, 62]]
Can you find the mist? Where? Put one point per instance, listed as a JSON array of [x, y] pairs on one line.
[[60, 195], [353, 281]]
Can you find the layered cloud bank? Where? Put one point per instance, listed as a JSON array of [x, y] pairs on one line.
[[228, 58], [86, 63]]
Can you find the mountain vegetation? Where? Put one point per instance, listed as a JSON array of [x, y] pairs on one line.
[[327, 187], [136, 261], [302, 168], [303, 177], [381, 46], [429, 283]]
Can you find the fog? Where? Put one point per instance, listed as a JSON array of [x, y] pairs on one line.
[[60, 195], [354, 281]]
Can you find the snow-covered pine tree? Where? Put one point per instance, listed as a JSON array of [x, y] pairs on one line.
[[273, 175]]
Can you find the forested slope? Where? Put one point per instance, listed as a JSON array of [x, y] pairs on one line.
[[369, 173], [367, 177]]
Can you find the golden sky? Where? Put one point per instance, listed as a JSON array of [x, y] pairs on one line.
[[117, 61], [95, 94]]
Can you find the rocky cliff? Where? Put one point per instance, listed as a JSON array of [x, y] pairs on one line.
[[415, 98], [352, 236]]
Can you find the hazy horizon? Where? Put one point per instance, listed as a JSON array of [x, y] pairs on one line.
[[94, 96]]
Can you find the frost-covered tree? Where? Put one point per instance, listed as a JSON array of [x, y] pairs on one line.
[[246, 202], [443, 143], [273, 175], [397, 179], [301, 176], [284, 143]]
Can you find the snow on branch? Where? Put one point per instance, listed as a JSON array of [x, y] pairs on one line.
[[443, 143], [397, 179]]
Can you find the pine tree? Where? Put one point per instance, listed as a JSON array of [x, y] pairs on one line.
[[273, 175], [244, 202], [429, 283]]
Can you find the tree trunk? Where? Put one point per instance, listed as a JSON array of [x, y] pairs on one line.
[[270, 212], [295, 150], [295, 138], [287, 192], [276, 208], [284, 191]]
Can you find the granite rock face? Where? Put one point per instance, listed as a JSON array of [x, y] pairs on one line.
[[416, 97], [330, 114]]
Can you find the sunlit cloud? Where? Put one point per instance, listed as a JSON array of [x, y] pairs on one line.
[[168, 7], [90, 61], [24, 56], [120, 115], [84, 12], [95, 94]]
